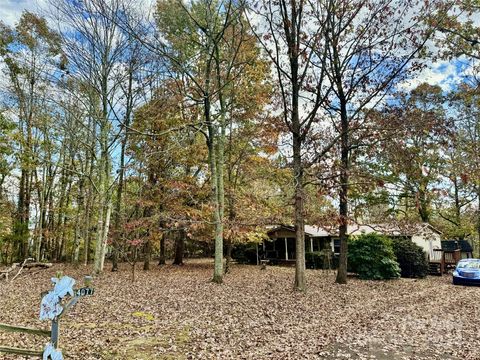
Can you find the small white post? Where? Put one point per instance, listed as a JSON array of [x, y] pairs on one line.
[[286, 249], [311, 245]]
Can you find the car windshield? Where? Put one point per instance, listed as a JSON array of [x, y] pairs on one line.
[[472, 264]]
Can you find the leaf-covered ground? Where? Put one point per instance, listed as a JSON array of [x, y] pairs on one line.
[[177, 313]]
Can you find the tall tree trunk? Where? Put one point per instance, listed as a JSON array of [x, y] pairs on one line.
[[457, 201], [218, 265], [87, 233], [99, 240], [105, 230], [77, 232], [61, 248], [104, 213], [423, 205], [22, 229], [50, 224], [179, 246], [121, 175], [61, 212], [161, 260], [230, 199], [118, 207], [26, 216], [41, 220], [20, 213], [218, 275], [213, 162], [300, 283], [147, 255], [90, 167], [103, 179], [219, 185], [344, 182], [148, 244], [104, 167]]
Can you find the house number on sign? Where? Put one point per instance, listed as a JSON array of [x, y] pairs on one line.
[[86, 291]]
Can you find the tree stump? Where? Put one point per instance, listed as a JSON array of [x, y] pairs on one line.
[[263, 264]]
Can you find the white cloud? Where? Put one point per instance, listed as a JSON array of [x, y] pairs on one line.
[[11, 10], [443, 73]]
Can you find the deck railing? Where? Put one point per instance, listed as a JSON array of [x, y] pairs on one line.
[[446, 258], [452, 256]]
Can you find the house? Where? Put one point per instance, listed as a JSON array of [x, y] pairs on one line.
[[281, 247], [422, 234]]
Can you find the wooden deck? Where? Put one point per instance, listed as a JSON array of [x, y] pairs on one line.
[[443, 260]]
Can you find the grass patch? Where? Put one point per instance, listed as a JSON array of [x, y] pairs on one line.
[[152, 347], [144, 315]]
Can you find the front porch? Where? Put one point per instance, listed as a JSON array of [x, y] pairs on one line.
[[280, 248]]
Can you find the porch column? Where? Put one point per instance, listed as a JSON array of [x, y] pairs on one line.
[[286, 248], [311, 245]]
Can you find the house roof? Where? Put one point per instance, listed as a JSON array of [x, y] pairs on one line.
[[316, 231], [390, 229], [311, 231]]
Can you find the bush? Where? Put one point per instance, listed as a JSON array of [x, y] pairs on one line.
[[317, 259], [411, 258], [245, 253], [371, 257]]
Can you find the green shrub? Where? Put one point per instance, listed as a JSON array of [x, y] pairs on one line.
[[319, 259], [411, 258], [245, 253], [313, 260], [371, 257]]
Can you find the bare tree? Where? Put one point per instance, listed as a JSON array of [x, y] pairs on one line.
[[289, 33], [95, 48]]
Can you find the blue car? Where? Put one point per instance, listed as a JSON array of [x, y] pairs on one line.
[[467, 272]]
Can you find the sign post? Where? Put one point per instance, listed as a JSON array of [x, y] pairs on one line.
[[53, 309]]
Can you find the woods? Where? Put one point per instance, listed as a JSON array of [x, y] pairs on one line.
[[188, 132], [233, 179]]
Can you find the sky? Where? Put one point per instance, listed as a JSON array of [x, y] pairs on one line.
[[446, 74], [443, 73], [10, 10]]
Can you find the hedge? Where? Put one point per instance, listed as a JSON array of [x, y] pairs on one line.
[[371, 257]]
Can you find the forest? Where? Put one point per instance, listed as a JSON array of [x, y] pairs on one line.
[[151, 143], [138, 135]]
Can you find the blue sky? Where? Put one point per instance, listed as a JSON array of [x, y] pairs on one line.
[[443, 73]]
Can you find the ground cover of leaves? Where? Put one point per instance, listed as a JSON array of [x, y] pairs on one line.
[[177, 313]]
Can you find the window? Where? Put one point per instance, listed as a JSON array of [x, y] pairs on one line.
[[336, 246]]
